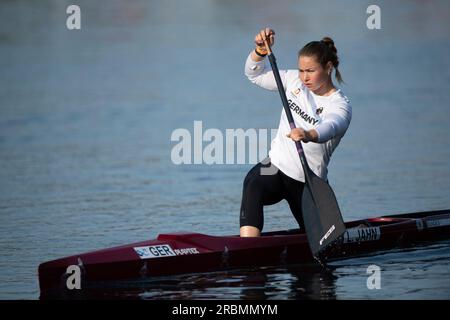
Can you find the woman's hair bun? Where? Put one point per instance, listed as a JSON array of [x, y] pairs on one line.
[[330, 43]]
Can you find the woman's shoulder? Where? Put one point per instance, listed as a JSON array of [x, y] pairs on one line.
[[340, 103], [340, 98]]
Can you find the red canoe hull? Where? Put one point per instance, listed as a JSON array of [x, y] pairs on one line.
[[180, 253]]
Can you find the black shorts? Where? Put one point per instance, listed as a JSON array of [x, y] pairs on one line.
[[265, 185]]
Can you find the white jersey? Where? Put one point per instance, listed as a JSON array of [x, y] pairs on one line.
[[329, 115]]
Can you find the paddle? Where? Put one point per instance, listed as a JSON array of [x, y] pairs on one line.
[[321, 214]]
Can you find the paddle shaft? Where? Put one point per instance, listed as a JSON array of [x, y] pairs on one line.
[[287, 110]]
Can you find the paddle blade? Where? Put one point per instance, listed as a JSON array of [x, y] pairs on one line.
[[321, 214]]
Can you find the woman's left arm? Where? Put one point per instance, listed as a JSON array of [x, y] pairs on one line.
[[334, 123]]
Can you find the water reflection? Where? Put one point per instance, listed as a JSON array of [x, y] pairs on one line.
[[299, 282]]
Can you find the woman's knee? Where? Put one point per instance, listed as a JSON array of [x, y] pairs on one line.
[[254, 186], [251, 181]]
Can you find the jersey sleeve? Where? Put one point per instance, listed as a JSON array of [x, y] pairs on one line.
[[260, 73], [335, 123]]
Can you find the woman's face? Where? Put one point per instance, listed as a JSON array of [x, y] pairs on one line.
[[312, 74]]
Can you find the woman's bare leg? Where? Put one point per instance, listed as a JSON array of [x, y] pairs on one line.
[[249, 231]]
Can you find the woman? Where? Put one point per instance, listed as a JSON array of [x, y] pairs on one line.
[[322, 115]]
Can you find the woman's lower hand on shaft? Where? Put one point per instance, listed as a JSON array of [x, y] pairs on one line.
[[299, 134]]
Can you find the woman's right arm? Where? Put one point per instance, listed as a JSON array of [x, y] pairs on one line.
[[256, 69]]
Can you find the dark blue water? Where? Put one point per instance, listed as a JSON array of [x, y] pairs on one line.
[[86, 119]]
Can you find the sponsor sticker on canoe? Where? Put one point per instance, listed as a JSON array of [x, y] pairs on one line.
[[419, 224], [438, 223], [162, 250], [362, 234], [157, 251]]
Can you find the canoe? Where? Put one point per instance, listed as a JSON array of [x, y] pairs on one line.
[[188, 252]]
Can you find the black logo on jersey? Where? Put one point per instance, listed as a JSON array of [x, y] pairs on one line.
[[319, 110]]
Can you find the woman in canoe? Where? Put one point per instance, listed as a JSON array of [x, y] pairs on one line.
[[321, 114]]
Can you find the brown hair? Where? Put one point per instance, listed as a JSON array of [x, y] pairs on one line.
[[324, 51]]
